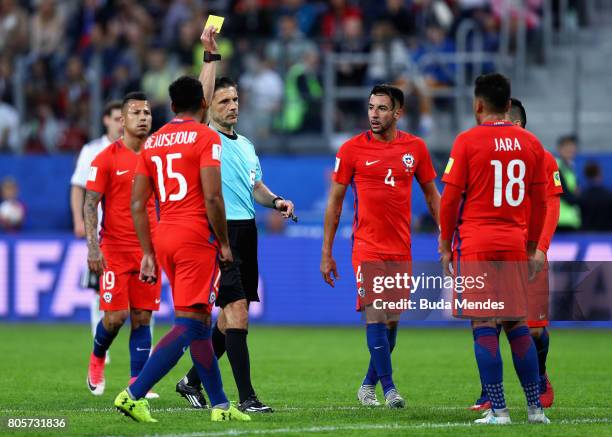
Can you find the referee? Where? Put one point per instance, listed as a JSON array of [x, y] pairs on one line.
[[242, 186]]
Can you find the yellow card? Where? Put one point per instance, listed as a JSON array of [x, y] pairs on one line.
[[216, 21]]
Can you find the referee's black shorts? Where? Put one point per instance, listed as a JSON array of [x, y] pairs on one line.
[[241, 279]]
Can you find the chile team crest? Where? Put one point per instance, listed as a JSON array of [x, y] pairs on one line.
[[408, 161]]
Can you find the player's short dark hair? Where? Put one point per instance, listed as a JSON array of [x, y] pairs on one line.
[[225, 82], [495, 90], [186, 94], [570, 138], [134, 95], [592, 170], [111, 106], [517, 111], [394, 93]]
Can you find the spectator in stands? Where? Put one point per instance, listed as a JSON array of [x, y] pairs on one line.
[[47, 29], [155, 83], [388, 54], [261, 94], [43, 132], [251, 20], [122, 82], [351, 74], [569, 214], [303, 95], [333, 19], [438, 74], [14, 36], [188, 37], [353, 40], [6, 80], [12, 211], [305, 13], [595, 201], [290, 46], [73, 95], [402, 19], [9, 129]]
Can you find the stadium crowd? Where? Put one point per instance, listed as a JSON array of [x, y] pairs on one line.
[[274, 48]]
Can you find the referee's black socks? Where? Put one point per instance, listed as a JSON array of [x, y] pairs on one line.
[[235, 342], [238, 355]]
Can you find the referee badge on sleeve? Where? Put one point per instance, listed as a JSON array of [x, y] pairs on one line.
[[216, 152]]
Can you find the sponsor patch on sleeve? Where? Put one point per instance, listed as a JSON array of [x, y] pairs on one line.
[[449, 166], [216, 152], [557, 179], [93, 172], [337, 165]]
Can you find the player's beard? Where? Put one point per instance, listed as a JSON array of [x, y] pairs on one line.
[[382, 127]]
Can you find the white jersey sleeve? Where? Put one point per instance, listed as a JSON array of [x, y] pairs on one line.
[[86, 156]]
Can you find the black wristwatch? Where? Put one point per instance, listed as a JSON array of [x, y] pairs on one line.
[[211, 57], [274, 201]]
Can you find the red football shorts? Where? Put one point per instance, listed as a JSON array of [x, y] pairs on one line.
[[370, 273], [191, 265], [120, 288], [497, 285], [537, 314]]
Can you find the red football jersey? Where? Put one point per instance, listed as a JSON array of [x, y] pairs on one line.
[[172, 157], [495, 164], [381, 177], [111, 174]]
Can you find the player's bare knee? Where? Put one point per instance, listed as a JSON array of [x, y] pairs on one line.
[[536, 332], [114, 320], [140, 318], [236, 315]]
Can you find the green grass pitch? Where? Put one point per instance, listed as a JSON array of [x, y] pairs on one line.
[[310, 376]]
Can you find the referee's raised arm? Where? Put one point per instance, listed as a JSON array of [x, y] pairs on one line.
[[209, 67]]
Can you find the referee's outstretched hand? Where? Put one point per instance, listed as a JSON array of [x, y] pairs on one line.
[[285, 207]]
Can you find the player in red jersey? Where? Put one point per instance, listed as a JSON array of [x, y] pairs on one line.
[[116, 257], [180, 164], [539, 285], [379, 165], [494, 172]]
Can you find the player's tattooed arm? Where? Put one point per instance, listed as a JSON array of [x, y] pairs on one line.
[[95, 259], [432, 198], [209, 69], [332, 219]]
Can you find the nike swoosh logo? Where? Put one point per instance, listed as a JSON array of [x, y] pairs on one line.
[[157, 301], [378, 347], [372, 162], [142, 349], [119, 173], [91, 387]]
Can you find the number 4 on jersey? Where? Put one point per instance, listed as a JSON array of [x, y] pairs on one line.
[[389, 179], [157, 160]]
